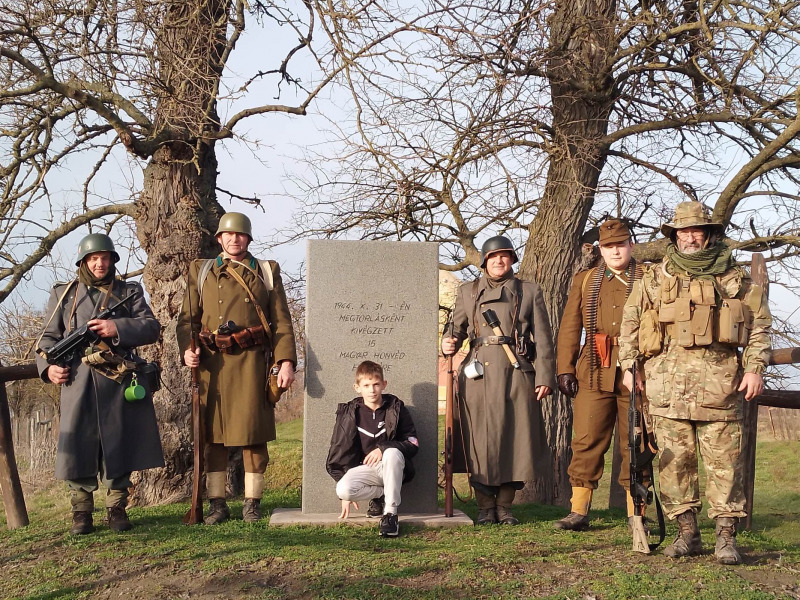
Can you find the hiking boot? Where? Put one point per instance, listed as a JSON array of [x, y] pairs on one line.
[[573, 522], [504, 516], [390, 525], [487, 516], [251, 510], [218, 512], [376, 506], [725, 550], [118, 519], [81, 522], [687, 542]]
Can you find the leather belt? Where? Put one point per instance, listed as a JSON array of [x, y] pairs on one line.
[[491, 340]]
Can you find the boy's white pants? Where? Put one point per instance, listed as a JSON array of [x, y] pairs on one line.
[[385, 479]]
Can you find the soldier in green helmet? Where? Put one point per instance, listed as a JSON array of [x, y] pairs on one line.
[[701, 328], [240, 315], [101, 431]]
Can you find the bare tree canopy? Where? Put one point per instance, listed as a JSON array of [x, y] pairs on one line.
[[540, 118], [141, 92]]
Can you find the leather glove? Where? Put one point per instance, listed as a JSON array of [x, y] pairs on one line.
[[568, 384]]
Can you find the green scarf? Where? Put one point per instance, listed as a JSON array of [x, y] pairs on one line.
[[86, 277], [710, 261]]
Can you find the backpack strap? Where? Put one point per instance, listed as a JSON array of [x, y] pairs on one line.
[[201, 277], [266, 271]]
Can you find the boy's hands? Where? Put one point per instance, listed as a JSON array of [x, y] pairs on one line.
[[373, 458], [346, 508]]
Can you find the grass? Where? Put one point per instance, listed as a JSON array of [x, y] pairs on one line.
[[160, 558]]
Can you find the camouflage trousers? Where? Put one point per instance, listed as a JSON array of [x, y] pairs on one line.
[[719, 444]]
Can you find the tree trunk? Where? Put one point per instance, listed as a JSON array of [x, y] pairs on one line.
[[582, 35], [177, 215]]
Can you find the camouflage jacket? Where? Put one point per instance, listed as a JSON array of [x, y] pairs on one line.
[[699, 382]]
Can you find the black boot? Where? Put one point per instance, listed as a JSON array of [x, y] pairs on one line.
[[505, 498], [81, 522], [487, 508], [251, 510], [218, 511], [118, 519]]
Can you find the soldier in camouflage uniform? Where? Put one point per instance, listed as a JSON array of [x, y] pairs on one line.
[[702, 327]]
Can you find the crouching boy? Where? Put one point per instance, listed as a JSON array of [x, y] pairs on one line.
[[373, 442]]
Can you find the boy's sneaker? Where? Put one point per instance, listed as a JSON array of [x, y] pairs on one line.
[[390, 526], [375, 510]]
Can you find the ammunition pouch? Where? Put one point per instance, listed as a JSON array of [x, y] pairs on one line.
[[246, 337], [109, 364], [150, 376], [651, 335], [734, 327], [526, 348]]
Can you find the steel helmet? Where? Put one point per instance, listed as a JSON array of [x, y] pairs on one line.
[[494, 244], [235, 222], [95, 242]]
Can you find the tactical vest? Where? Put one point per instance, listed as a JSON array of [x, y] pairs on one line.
[[699, 312]]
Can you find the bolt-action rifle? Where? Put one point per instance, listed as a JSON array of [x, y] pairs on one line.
[[65, 350], [448, 434], [194, 515], [643, 449]]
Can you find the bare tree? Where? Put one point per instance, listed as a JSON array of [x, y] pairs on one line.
[[540, 118], [151, 85]]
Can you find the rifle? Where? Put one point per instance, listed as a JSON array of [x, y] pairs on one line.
[[194, 515], [642, 450], [64, 351], [448, 437]]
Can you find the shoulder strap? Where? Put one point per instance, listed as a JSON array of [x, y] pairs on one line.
[[266, 272], [201, 277], [52, 314], [261, 316]]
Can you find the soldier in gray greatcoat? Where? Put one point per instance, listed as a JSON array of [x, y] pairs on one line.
[[499, 414], [100, 431]]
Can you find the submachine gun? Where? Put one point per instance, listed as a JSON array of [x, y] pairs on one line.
[[65, 350], [643, 449]]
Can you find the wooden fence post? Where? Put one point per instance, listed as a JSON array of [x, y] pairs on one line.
[[13, 500]]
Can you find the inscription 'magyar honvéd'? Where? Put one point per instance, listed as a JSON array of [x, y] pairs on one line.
[[378, 321]]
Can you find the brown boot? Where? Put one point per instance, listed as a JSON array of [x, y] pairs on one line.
[[573, 522], [251, 510], [687, 542], [487, 508], [81, 522], [725, 550], [218, 511], [118, 518], [505, 498]]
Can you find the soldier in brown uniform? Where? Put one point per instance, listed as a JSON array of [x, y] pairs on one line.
[[591, 374], [236, 287]]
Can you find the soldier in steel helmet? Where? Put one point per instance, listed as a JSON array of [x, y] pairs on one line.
[[101, 431], [501, 382], [590, 373], [240, 314], [701, 327]]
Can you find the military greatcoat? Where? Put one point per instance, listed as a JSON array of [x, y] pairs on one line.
[[94, 413], [233, 386], [601, 395], [499, 418]]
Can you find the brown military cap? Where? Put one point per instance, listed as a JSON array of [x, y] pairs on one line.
[[613, 231]]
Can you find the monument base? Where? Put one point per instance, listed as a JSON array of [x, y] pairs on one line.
[[282, 517]]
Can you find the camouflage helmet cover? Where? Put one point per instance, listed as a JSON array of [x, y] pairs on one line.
[[494, 244], [234, 222], [95, 242]]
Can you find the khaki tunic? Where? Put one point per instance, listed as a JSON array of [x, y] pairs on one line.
[[596, 408], [233, 386], [498, 417]]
